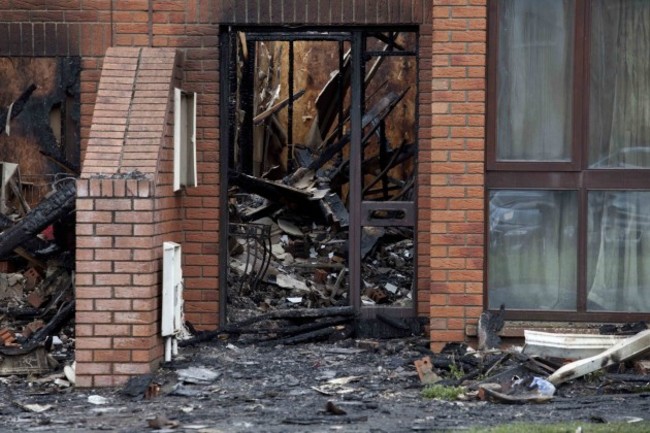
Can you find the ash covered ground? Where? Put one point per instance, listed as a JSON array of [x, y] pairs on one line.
[[348, 386]]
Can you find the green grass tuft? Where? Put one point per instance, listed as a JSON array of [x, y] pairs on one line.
[[442, 392]]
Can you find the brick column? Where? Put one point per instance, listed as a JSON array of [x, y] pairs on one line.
[[125, 210], [457, 179], [117, 283]]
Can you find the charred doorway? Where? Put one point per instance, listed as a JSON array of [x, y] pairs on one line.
[[319, 146]]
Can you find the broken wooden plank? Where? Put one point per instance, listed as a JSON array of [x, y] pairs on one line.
[[270, 190], [488, 393], [244, 45], [257, 120], [302, 156], [627, 349], [567, 346], [19, 196], [291, 283], [57, 205]]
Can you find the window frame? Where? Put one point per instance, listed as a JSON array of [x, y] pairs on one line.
[[185, 174], [574, 175], [356, 36], [577, 105]]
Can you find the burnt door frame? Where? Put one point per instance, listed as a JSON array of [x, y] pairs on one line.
[[360, 211]]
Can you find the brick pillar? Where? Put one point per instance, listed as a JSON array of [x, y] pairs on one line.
[[117, 283], [457, 179], [125, 210]]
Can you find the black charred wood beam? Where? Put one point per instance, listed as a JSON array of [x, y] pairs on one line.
[[346, 313], [59, 160], [270, 190], [297, 313], [17, 107], [328, 102], [292, 330], [63, 316], [57, 205], [306, 337], [372, 118], [389, 40], [65, 313], [247, 98]]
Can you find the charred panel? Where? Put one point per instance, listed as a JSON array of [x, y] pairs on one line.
[[43, 138]]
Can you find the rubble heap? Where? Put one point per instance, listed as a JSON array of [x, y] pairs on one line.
[[36, 265]]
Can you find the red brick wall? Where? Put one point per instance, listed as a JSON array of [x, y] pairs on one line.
[[451, 141], [192, 27], [457, 169]]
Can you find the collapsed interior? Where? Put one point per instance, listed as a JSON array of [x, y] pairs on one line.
[[320, 170], [39, 163]]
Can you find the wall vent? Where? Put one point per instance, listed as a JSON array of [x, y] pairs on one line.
[[172, 298]]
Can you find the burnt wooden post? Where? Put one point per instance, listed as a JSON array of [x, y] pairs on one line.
[[57, 205], [246, 136], [16, 107]]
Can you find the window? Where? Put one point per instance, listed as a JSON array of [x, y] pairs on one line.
[[568, 158], [184, 139]]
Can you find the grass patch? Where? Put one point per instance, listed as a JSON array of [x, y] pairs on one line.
[[442, 392], [640, 427], [455, 371]]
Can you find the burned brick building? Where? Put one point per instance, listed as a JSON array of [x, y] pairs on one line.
[[420, 158]]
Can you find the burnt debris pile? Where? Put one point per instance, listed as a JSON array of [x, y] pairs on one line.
[[319, 183]]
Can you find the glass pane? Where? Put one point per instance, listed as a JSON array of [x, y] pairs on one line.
[[535, 80], [619, 106], [532, 250], [618, 253]]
